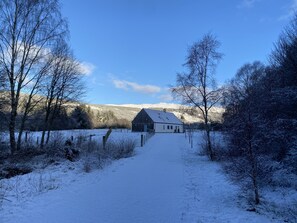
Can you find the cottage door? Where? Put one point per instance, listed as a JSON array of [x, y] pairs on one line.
[[145, 128]]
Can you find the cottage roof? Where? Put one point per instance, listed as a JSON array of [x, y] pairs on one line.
[[162, 117]]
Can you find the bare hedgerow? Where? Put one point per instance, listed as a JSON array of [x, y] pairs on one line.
[[56, 146], [93, 156], [80, 140], [89, 155], [29, 141], [121, 148], [217, 147], [203, 146], [4, 146]]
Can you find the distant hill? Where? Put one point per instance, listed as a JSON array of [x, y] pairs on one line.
[[80, 115], [129, 111]]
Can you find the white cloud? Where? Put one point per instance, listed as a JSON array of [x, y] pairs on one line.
[[247, 3], [36, 53], [86, 68], [127, 85], [291, 10]]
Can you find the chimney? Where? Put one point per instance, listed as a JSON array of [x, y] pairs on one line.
[[164, 110]]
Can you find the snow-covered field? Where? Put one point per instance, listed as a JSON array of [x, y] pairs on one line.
[[166, 181], [95, 134]]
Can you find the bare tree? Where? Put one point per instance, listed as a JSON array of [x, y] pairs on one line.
[[32, 99], [283, 58], [64, 84], [3, 84], [29, 28], [3, 98], [197, 87], [243, 126]]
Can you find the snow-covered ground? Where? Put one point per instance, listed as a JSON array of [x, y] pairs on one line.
[[209, 196], [166, 181]]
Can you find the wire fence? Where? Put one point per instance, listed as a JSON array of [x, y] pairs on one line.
[[75, 137]]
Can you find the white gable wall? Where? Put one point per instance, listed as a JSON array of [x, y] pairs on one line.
[[168, 128]]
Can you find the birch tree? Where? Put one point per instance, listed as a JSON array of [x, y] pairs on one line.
[[243, 123], [196, 87], [3, 99], [28, 29], [63, 84]]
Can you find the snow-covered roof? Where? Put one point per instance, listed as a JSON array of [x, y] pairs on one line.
[[162, 117]]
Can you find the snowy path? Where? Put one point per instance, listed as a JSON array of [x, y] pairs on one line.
[[164, 182], [144, 188]]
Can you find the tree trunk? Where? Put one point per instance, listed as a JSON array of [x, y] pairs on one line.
[[28, 108], [256, 189], [18, 146], [54, 111], [253, 161], [12, 132], [24, 118], [45, 127], [207, 129], [209, 147], [42, 139], [48, 135], [254, 174], [46, 124]]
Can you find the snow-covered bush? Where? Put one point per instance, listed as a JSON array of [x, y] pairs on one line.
[[92, 155], [4, 146], [216, 141], [121, 148], [55, 146], [203, 146]]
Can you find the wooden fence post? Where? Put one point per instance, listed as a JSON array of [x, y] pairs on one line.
[[104, 142], [142, 140], [105, 138]]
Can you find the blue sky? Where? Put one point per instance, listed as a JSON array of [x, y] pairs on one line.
[[131, 50]]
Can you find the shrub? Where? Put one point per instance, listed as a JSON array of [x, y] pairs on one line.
[[122, 148], [4, 146], [56, 147], [216, 142], [92, 154]]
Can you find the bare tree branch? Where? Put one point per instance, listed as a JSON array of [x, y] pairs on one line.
[[196, 87]]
